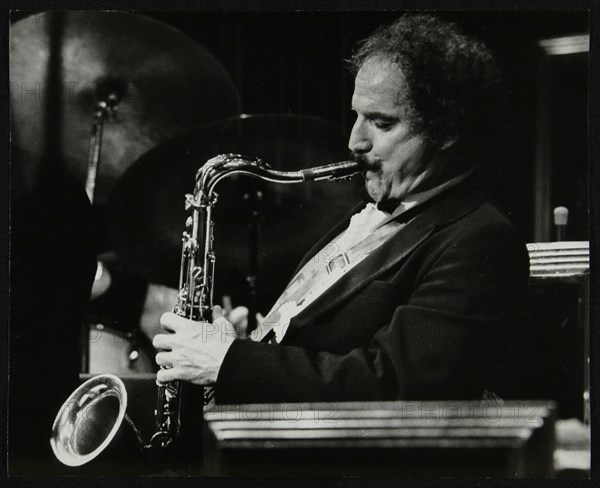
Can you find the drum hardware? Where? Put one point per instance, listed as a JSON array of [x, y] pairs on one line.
[[148, 70], [134, 348], [107, 350], [109, 93], [102, 280]]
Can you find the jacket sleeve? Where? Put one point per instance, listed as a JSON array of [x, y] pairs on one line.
[[450, 340]]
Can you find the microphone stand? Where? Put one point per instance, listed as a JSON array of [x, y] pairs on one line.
[[254, 198]]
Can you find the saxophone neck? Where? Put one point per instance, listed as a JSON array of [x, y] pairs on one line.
[[217, 168], [224, 165]]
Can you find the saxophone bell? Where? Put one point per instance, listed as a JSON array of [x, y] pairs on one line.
[[90, 419]]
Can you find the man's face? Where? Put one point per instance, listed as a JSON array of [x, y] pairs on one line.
[[398, 161]]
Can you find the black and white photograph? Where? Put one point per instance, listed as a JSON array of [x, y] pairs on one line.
[[299, 242]]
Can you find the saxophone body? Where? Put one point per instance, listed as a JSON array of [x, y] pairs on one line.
[[72, 426]]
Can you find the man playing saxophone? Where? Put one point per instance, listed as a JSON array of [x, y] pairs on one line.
[[418, 301]]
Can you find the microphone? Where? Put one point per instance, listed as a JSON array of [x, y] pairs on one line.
[[561, 216]]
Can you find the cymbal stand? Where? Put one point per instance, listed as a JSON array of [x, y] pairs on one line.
[[108, 96]]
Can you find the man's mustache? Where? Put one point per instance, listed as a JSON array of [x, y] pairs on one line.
[[365, 162]]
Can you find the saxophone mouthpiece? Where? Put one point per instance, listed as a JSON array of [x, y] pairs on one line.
[[332, 171]]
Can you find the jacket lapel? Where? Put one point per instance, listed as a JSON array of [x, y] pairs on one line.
[[437, 213], [327, 238]]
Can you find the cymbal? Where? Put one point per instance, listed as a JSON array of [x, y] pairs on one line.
[[169, 84], [146, 215]]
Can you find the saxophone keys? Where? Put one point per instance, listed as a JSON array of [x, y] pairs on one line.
[[189, 243], [190, 201], [196, 272]]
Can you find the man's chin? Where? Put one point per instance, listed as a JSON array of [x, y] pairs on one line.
[[374, 190]]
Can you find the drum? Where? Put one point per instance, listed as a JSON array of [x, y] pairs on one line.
[[107, 350]]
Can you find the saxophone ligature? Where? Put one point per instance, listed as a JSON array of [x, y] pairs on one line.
[[93, 414]]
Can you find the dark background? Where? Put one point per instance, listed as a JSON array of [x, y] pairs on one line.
[[293, 63]]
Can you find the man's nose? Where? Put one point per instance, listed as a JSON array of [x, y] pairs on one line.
[[359, 140]]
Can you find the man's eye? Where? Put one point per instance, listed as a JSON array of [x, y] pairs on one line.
[[383, 124]]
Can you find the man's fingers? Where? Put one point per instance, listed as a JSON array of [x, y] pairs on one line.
[[165, 359], [239, 315], [182, 374], [227, 305], [217, 312], [163, 341], [166, 375], [171, 322]]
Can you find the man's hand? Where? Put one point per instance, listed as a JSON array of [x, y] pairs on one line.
[[193, 351], [239, 318]]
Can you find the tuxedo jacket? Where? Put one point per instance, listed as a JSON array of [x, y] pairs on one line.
[[430, 314]]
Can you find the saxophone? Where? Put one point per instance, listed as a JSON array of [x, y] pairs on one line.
[[88, 421]]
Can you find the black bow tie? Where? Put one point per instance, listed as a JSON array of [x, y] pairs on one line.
[[388, 205]]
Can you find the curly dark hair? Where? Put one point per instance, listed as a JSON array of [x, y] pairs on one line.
[[451, 79]]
